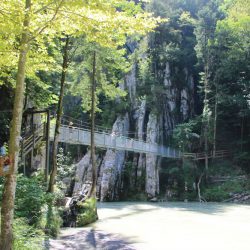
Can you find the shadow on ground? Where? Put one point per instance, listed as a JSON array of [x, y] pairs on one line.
[[87, 238]]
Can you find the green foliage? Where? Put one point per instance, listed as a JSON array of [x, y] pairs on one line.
[[27, 237], [222, 192], [111, 65], [224, 168], [35, 212], [185, 135], [215, 194], [30, 198], [51, 220], [87, 212], [65, 168]]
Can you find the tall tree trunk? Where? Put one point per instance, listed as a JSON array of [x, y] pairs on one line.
[[93, 161], [241, 133], [205, 115], [58, 117], [215, 119], [199, 189], [7, 211]]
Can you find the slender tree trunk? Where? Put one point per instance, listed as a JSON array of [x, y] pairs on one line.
[[241, 133], [58, 117], [7, 211], [93, 161], [206, 118], [198, 188], [215, 119]]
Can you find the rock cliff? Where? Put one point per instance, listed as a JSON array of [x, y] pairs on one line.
[[151, 117]]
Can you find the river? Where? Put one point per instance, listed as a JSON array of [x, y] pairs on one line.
[[168, 225]]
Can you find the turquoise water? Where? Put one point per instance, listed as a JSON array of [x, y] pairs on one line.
[[177, 225]]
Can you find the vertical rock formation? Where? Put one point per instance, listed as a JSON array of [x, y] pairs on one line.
[[152, 167], [111, 169], [130, 85], [140, 162], [83, 172], [173, 104]]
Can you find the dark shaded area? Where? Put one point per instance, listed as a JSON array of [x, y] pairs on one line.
[[6, 98], [86, 238]]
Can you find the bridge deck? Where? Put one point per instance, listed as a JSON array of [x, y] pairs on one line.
[[74, 135]]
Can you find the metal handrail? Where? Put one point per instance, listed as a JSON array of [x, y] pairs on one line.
[[75, 135]]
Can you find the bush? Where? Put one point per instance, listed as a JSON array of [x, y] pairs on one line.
[[87, 212], [223, 167], [50, 220], [215, 194], [30, 198], [27, 237], [222, 191], [53, 221]]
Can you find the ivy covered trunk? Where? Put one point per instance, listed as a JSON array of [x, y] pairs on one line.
[[7, 211]]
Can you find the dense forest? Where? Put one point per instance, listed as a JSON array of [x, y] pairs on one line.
[[174, 73]]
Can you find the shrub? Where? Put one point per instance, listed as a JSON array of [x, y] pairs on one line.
[[222, 191], [215, 194], [27, 237], [50, 220], [30, 198], [54, 221], [87, 212]]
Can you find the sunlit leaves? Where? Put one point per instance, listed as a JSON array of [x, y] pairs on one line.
[[106, 22], [110, 67]]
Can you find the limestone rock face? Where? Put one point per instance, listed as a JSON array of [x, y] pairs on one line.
[[139, 118], [111, 168], [144, 123], [152, 166], [130, 84], [83, 172]]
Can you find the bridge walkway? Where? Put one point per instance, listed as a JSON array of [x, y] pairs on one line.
[[76, 135]]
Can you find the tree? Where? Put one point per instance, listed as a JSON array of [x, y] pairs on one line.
[[232, 43], [92, 144], [205, 35], [29, 35], [10, 182], [31, 25], [59, 114], [105, 38]]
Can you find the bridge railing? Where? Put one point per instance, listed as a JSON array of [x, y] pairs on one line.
[[74, 135]]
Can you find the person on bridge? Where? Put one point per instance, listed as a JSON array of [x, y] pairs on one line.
[[70, 126]]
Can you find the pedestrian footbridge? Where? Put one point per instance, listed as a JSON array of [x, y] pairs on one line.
[[81, 136]]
